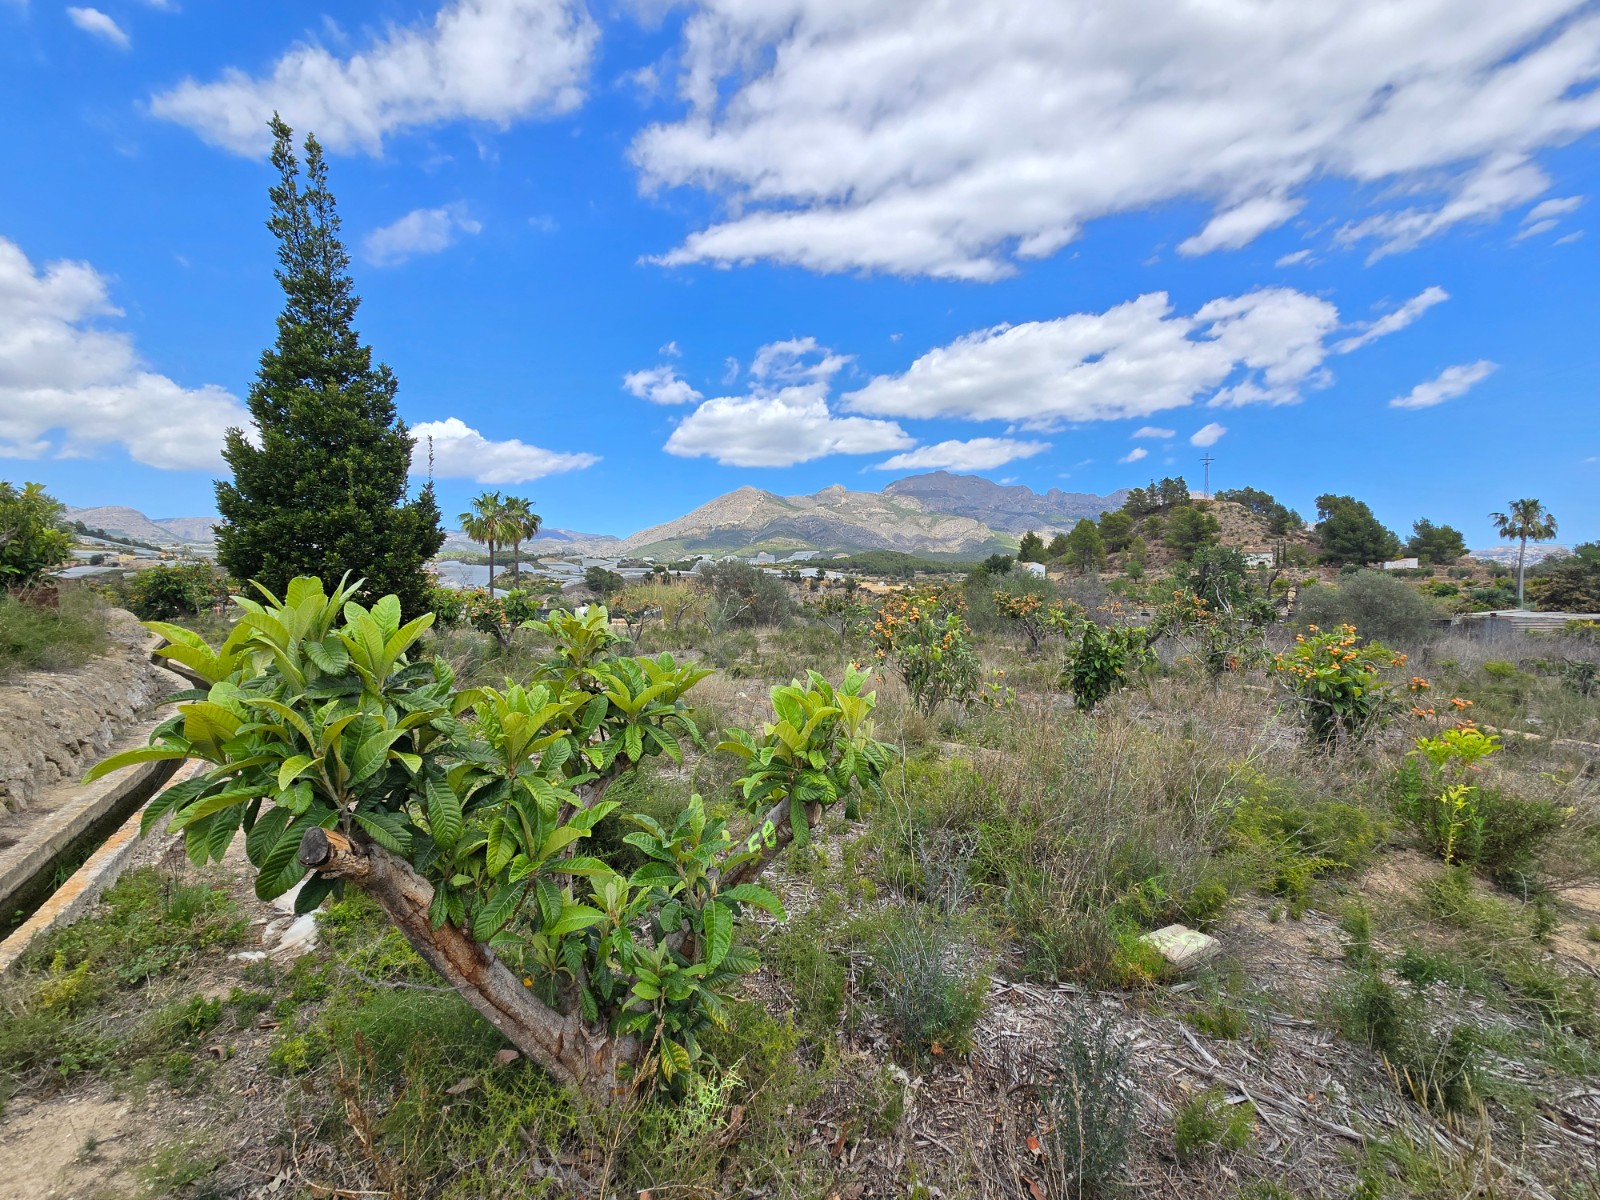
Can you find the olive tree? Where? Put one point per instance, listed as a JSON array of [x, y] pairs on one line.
[[463, 814]]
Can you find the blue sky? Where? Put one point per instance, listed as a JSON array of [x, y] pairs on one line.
[[626, 257]]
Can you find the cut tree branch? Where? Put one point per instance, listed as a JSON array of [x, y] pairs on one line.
[[587, 1059]]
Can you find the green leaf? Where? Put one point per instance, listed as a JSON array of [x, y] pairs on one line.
[[128, 758], [719, 932], [317, 889], [208, 723], [292, 769], [175, 797], [388, 829], [372, 754], [757, 897], [550, 900], [329, 655], [264, 834], [444, 813], [386, 612], [281, 870], [573, 918], [798, 823], [493, 916]]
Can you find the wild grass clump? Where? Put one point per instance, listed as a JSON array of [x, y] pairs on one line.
[[1090, 1107], [1433, 1060], [36, 638], [813, 972], [925, 983]]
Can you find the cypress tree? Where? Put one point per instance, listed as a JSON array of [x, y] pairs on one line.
[[321, 489]]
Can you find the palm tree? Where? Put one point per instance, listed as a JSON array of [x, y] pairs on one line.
[[486, 524], [1527, 521], [521, 523]]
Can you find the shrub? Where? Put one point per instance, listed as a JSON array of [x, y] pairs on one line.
[[925, 986], [162, 592], [30, 541], [602, 582], [1338, 684], [1207, 1123], [1089, 1109], [923, 636], [1379, 605], [742, 595], [1101, 661], [34, 637], [1295, 839], [1217, 614], [502, 615]]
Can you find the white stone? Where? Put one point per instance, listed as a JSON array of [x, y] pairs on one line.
[[298, 939], [1181, 946]]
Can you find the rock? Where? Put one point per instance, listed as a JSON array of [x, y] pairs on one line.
[[299, 938], [1181, 946]]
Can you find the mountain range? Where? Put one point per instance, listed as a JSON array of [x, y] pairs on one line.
[[937, 513]]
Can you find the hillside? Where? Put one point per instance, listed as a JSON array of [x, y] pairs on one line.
[[1013, 509], [130, 522], [833, 519]]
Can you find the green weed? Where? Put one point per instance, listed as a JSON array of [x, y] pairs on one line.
[[1207, 1124]]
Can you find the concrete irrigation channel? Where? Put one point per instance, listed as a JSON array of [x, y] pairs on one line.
[[64, 842]]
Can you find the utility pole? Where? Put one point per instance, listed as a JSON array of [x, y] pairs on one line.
[[1208, 460]]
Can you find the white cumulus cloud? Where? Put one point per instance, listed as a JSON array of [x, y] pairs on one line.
[[778, 429], [796, 360], [660, 385], [925, 137], [98, 24], [461, 452], [420, 231], [1447, 385], [484, 60], [975, 454], [1154, 431], [1134, 455], [1208, 435], [70, 387], [1133, 360]]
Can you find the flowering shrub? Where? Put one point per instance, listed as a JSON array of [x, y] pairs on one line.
[[1338, 684], [1220, 635], [498, 615], [924, 637], [1028, 611]]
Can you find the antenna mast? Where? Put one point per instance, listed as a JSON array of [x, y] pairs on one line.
[[1208, 460]]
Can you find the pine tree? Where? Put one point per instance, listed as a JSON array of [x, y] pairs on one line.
[[321, 488], [1350, 533]]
